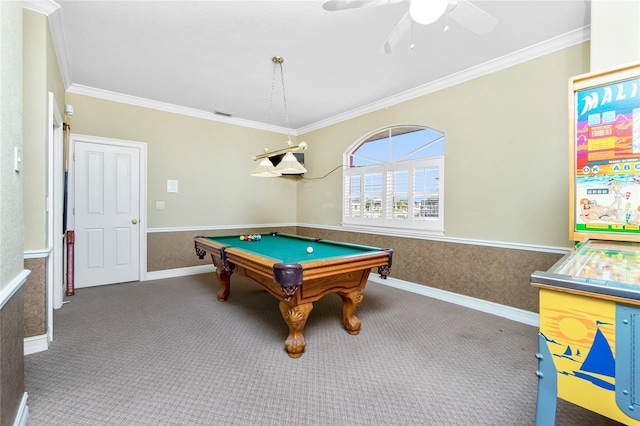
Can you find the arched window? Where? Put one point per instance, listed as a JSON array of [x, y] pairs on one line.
[[394, 179]]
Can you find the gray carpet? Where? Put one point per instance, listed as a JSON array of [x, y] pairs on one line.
[[166, 352]]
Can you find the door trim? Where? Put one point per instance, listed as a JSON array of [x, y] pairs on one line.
[[55, 237], [142, 147]]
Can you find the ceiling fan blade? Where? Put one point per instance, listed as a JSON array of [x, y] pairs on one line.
[[472, 17], [335, 5], [403, 27]]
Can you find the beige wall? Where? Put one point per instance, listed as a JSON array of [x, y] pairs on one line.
[[211, 161], [55, 83], [41, 76], [11, 232], [615, 33], [35, 130], [506, 165]]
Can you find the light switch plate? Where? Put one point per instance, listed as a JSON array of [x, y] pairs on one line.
[[172, 185], [17, 159]]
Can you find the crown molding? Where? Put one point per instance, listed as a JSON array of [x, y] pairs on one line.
[[45, 7], [52, 11], [60, 46], [549, 46], [175, 109]]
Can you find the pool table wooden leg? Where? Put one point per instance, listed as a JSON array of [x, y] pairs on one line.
[[295, 317], [350, 303], [224, 279]]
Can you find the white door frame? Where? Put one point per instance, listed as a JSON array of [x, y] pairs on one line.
[[55, 235], [142, 147]]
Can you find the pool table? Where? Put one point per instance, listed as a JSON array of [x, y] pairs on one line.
[[297, 276]]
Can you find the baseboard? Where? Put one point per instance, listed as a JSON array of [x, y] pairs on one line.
[[23, 412], [515, 314], [180, 272], [36, 344]]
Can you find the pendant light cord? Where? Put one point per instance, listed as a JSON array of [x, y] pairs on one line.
[[273, 85], [284, 97]]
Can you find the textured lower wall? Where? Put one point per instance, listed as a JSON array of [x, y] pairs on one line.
[[495, 274], [11, 357], [35, 294], [171, 250]]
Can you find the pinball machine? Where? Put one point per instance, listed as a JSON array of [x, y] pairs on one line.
[[589, 338]]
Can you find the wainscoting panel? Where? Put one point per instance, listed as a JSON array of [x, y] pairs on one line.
[[35, 297], [495, 274], [12, 356], [172, 250]]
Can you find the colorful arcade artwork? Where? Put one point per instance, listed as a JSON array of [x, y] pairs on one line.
[[580, 335], [607, 158]]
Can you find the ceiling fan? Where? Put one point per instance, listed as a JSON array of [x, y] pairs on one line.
[[423, 12]]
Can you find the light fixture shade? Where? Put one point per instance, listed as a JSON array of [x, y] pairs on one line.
[[290, 165], [265, 169], [427, 12]]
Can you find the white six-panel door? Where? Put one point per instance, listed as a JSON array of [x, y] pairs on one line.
[[107, 213]]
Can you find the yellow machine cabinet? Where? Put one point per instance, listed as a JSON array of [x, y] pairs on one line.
[[589, 332]]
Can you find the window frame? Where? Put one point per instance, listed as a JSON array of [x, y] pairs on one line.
[[387, 223]]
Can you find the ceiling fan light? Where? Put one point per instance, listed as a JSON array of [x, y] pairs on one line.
[[427, 12]]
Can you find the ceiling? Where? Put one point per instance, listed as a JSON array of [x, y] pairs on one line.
[[208, 56]]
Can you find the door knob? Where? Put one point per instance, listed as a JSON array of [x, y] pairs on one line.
[[134, 221]]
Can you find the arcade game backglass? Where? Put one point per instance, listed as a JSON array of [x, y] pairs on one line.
[[590, 300]]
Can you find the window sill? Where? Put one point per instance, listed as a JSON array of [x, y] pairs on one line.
[[392, 231]]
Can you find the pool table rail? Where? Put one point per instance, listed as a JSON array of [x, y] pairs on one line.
[[223, 255]]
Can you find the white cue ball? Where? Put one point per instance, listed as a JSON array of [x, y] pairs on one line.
[[309, 249]]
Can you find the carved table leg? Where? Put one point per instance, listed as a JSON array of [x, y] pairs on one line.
[[224, 279], [295, 317], [350, 303]]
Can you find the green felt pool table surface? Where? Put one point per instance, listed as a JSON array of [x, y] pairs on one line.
[[289, 249]]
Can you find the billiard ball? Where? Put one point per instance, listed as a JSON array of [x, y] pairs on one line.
[[309, 249], [241, 237]]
